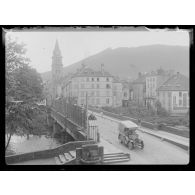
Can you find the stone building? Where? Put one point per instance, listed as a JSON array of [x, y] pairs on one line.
[[57, 71], [153, 81], [117, 92], [96, 87], [174, 94], [139, 89]]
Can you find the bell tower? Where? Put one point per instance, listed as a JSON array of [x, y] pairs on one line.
[[57, 69]]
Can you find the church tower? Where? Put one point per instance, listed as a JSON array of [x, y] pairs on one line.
[[57, 70]]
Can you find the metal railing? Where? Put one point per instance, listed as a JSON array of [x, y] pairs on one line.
[[72, 111]]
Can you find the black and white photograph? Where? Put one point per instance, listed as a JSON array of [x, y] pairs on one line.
[[97, 96]]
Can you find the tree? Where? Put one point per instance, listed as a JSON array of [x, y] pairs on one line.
[[23, 89], [160, 110]]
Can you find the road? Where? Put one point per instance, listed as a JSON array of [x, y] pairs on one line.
[[154, 152]]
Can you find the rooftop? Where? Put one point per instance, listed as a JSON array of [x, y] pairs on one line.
[[88, 72], [177, 82]]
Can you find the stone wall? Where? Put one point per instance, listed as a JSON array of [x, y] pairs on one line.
[[46, 153]]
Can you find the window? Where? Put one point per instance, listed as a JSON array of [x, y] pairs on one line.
[[82, 86], [98, 79], [180, 94], [107, 79], [125, 94], [82, 101], [107, 86], [97, 101], [97, 93], [92, 101], [82, 93], [107, 93], [174, 100], [107, 100], [87, 79], [185, 99], [92, 93], [98, 86], [180, 102], [92, 79], [92, 86]]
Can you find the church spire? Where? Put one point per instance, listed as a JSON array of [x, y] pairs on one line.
[[57, 68], [56, 50]]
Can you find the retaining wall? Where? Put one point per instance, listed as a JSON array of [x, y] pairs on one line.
[[46, 153]]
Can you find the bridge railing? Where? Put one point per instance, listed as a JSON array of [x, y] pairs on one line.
[[72, 111]]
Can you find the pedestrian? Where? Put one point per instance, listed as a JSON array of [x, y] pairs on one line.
[[139, 122]]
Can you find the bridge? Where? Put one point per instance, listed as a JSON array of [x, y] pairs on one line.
[[70, 121]]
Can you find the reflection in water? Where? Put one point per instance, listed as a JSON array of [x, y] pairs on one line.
[[20, 144]]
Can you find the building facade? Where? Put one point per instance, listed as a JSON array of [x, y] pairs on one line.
[[95, 87], [174, 94], [117, 93], [139, 89], [153, 81]]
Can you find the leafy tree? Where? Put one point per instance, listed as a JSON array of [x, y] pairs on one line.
[[23, 89]]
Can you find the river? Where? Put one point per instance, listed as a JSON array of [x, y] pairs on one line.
[[20, 144]]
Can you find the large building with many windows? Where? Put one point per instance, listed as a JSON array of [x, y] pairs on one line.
[[97, 88], [87, 85]]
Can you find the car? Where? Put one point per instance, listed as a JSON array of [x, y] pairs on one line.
[[128, 136]]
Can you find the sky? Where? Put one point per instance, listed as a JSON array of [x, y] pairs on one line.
[[76, 46]]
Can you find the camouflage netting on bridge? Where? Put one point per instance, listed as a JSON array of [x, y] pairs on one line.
[[72, 111]]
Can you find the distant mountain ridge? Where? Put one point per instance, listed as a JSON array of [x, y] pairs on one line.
[[127, 62]]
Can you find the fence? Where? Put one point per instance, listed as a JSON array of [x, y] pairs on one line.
[[149, 125], [93, 130], [76, 113]]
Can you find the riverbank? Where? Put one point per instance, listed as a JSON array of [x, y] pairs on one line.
[[20, 144]]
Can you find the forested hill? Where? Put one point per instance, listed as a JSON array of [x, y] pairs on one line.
[[127, 62]]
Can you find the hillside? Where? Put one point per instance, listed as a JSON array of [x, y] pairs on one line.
[[127, 62]]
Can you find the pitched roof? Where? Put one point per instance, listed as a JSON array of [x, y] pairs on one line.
[[177, 82], [90, 72]]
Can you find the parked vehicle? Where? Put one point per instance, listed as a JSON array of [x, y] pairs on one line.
[[128, 136]]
